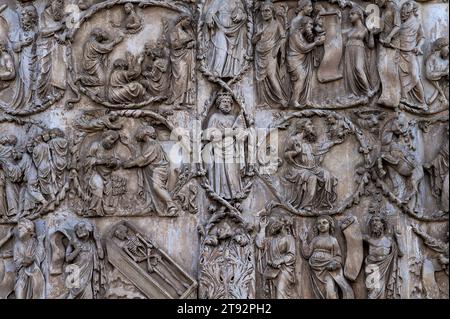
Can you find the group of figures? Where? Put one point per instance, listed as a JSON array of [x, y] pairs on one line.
[[224, 149], [162, 71], [376, 63], [33, 175], [77, 256]]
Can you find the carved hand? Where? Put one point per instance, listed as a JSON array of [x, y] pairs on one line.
[[417, 51]]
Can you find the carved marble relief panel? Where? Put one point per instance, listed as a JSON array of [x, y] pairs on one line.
[[224, 149]]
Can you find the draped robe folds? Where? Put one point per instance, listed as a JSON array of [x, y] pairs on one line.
[[388, 274], [439, 173], [227, 38], [30, 195], [59, 148], [43, 160], [224, 158], [267, 61], [300, 64], [154, 173], [51, 76], [90, 272], [99, 176], [25, 83], [183, 73], [410, 34], [282, 280], [157, 77], [357, 70], [388, 57], [8, 190], [95, 61], [315, 186], [30, 282], [123, 87], [325, 250]]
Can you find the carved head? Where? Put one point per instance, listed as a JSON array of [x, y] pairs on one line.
[[224, 103], [324, 225], [120, 64], [408, 8], [57, 9], [306, 27], [381, 3], [109, 139], [275, 226], [46, 136], [306, 127], [400, 125], [356, 14], [128, 7], [99, 34], [25, 228], [121, 232], [83, 230], [10, 140], [378, 225], [30, 147], [441, 44], [29, 18], [2, 46], [145, 131], [56, 132], [305, 7], [267, 10]]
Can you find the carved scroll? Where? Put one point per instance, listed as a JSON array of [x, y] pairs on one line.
[[329, 69]]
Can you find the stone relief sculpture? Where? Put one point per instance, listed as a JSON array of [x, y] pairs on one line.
[[224, 149], [383, 279], [158, 276], [226, 29], [325, 261], [278, 247], [270, 55]]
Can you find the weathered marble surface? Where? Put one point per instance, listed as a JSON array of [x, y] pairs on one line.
[[224, 149]]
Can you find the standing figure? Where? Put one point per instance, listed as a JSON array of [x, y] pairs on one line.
[[102, 159], [9, 190], [438, 169], [95, 57], [269, 41], [381, 265], [7, 68], [156, 70], [278, 246], [226, 28], [435, 262], [300, 60], [28, 255], [222, 154], [399, 162], [42, 159], [59, 148], [25, 47], [123, 82], [436, 70], [388, 53], [85, 252], [325, 261], [182, 42], [23, 171], [310, 186], [51, 76], [153, 173], [357, 68], [411, 38]]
